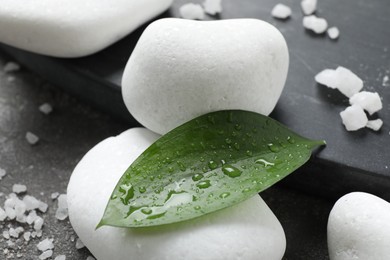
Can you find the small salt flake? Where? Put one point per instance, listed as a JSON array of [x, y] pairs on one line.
[[45, 255], [374, 124], [45, 244], [42, 207], [79, 244], [2, 173], [333, 33], [281, 11], [10, 213], [19, 188], [315, 24], [38, 223], [60, 257], [45, 108], [31, 138], [212, 7], [354, 118], [192, 11], [384, 83], [369, 101], [31, 217], [11, 67], [3, 215], [6, 234], [308, 6], [31, 202], [62, 210], [27, 235]]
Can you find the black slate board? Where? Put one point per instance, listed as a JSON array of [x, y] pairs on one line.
[[352, 160]]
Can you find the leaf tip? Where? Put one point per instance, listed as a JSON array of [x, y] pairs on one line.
[[100, 224]]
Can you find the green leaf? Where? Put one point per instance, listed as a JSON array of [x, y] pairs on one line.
[[206, 164]]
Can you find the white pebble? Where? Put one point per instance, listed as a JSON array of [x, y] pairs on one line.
[[79, 244], [333, 33], [281, 11], [308, 6], [19, 188], [192, 11], [45, 244], [2, 173], [369, 101], [46, 108], [45, 255], [38, 223], [359, 228], [314, 23], [212, 7], [342, 78], [354, 118], [11, 67], [60, 257], [375, 124], [31, 138]]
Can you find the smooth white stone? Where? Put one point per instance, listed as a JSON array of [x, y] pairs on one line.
[[248, 230], [181, 69], [359, 228], [72, 28]]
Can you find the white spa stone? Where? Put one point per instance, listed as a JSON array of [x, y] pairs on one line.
[[181, 69], [359, 228], [72, 28], [248, 230]]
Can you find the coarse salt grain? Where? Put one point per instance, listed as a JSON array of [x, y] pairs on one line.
[[374, 124], [42, 206], [3, 215], [19, 188], [60, 257], [314, 23], [79, 244], [11, 67], [31, 138], [45, 244], [31, 202], [281, 11], [342, 78], [385, 80], [27, 235], [333, 33], [54, 195], [212, 7], [2, 173], [62, 210], [38, 223], [369, 101], [31, 217], [354, 118], [192, 11], [45, 255], [45, 108], [308, 6]]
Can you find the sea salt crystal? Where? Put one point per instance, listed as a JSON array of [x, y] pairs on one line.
[[308, 6], [6, 234], [60, 257], [27, 235], [39, 233], [45, 255], [375, 124], [38, 223], [192, 11], [385, 80], [333, 33], [54, 195], [354, 118], [11, 67], [342, 78], [10, 213], [3, 215], [212, 7], [42, 206], [45, 245], [31, 138], [13, 233], [46, 108], [2, 173], [79, 243], [314, 23], [31, 202], [369, 101], [19, 188], [281, 11], [62, 210], [31, 217]]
